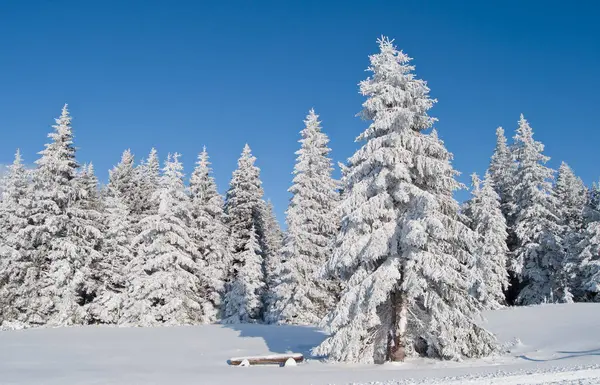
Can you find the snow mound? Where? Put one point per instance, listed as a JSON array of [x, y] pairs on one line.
[[548, 344], [244, 363], [290, 362]]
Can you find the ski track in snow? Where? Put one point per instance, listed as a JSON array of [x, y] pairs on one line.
[[547, 344]]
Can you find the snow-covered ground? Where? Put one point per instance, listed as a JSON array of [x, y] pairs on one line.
[[549, 344]]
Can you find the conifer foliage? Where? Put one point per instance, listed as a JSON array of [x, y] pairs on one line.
[[301, 296], [537, 256], [110, 270], [588, 272], [243, 206], [402, 250], [487, 221], [122, 181], [63, 232], [272, 241], [165, 276], [571, 196], [210, 232], [243, 300], [17, 270], [502, 169]]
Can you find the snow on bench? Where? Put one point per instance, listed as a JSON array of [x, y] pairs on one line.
[[268, 359]]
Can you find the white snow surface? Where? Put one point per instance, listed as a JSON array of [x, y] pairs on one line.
[[547, 344]]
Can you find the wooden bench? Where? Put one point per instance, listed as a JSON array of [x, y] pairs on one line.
[[266, 360]]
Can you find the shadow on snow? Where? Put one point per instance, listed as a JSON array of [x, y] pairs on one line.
[[570, 354], [283, 338]]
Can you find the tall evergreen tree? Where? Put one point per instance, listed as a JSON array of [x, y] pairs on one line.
[[301, 297], [210, 231], [17, 271], [502, 169], [122, 181], [487, 221], [537, 255], [403, 254], [502, 172], [62, 233], [242, 207], [588, 272], [89, 232], [146, 179], [243, 302], [166, 276], [271, 240], [571, 195], [89, 186], [110, 270], [15, 188]]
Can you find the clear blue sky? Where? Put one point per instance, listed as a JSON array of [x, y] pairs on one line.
[[178, 75]]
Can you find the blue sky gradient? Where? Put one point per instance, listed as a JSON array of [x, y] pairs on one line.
[[179, 75]]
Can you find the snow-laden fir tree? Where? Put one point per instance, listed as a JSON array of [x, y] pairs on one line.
[[302, 297], [537, 258], [590, 263], [17, 270], [89, 231], [122, 181], [588, 274], [502, 169], [571, 195], [13, 215], [210, 232], [165, 278], [242, 206], [88, 183], [116, 254], [591, 210], [271, 240], [243, 302], [404, 256], [486, 219], [146, 179], [62, 234]]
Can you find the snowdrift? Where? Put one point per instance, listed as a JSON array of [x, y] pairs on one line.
[[545, 344]]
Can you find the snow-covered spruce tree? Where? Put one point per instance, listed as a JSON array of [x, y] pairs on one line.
[[87, 213], [110, 270], [17, 270], [487, 221], [302, 297], [243, 302], [591, 209], [13, 214], [270, 243], [210, 232], [502, 170], [588, 274], [88, 183], [242, 207], [62, 232], [537, 257], [403, 255], [122, 181], [589, 269], [146, 179], [571, 195], [165, 277]]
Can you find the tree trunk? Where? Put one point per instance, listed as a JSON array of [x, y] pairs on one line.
[[396, 349]]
